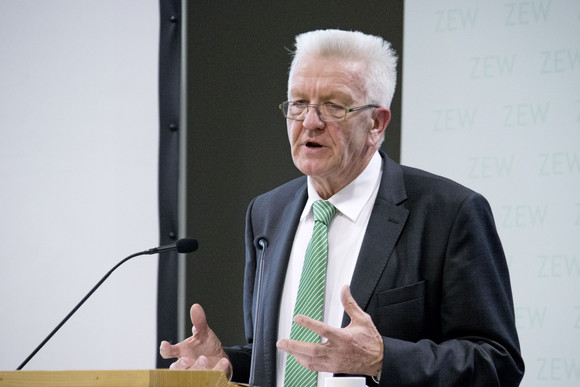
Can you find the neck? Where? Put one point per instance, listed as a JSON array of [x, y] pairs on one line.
[[326, 187]]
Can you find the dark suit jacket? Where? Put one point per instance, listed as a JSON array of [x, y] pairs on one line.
[[431, 273]]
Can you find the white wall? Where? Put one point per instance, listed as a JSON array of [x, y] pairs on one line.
[[78, 181], [491, 99]]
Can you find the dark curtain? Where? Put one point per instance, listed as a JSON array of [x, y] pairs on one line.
[[169, 81]]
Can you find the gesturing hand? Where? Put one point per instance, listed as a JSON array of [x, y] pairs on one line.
[[201, 351], [355, 349]]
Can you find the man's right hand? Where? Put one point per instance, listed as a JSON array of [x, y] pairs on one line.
[[201, 351]]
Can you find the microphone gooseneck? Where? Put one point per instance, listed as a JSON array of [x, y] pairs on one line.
[[261, 244], [184, 245]]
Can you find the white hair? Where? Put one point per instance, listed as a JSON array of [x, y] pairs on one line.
[[374, 52]]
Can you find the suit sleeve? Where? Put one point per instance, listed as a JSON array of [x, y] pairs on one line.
[[477, 343]]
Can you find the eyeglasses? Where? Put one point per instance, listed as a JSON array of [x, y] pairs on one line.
[[327, 112]]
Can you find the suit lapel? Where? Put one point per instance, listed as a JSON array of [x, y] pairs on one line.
[[385, 225]]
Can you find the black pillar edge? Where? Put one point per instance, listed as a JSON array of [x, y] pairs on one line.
[[169, 91]]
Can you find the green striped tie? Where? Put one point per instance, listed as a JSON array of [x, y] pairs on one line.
[[310, 298]]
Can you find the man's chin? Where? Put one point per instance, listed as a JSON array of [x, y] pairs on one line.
[[314, 170]]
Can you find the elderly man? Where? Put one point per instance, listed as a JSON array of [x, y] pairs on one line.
[[404, 281]]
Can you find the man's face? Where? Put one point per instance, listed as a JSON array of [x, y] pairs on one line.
[[332, 153]]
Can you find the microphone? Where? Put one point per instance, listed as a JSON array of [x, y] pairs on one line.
[[184, 245], [261, 244]]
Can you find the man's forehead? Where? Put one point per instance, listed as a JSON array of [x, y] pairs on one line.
[[328, 78], [298, 92], [322, 66]]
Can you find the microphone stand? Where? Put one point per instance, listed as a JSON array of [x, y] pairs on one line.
[[76, 308], [184, 245], [263, 243]]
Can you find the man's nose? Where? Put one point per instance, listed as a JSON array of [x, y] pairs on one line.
[[312, 119]]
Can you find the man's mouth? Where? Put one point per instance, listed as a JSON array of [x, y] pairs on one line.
[[311, 144]]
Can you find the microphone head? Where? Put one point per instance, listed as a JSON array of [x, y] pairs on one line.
[[261, 242], [186, 245]]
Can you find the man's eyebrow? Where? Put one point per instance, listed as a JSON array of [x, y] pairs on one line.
[[297, 94], [294, 95], [345, 98], [342, 97]]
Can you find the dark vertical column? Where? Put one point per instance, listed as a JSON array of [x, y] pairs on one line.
[[169, 81]]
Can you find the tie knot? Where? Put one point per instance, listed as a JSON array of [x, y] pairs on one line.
[[323, 211]]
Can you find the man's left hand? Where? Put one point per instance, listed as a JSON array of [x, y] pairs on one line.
[[356, 349]]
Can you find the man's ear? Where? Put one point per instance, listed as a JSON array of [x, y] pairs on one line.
[[381, 118]]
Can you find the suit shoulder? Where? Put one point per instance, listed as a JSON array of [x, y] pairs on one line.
[[273, 209], [428, 193], [283, 192], [420, 182]]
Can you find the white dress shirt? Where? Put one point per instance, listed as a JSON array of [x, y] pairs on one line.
[[345, 235]]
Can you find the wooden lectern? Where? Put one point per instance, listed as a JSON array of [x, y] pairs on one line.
[[132, 378]]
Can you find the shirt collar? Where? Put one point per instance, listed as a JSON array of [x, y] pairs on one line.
[[350, 200]]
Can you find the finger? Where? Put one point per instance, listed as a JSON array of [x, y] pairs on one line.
[[297, 348], [309, 355], [198, 319], [168, 351], [181, 364], [200, 364], [223, 365], [348, 302], [318, 327]]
